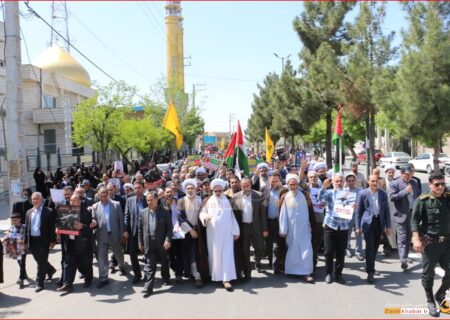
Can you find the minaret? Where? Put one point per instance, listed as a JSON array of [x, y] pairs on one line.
[[174, 44]]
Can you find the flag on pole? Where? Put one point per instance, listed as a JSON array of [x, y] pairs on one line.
[[230, 152], [270, 147], [241, 161], [172, 124], [222, 144], [337, 141]]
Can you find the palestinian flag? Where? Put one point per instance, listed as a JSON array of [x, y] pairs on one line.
[[230, 152], [337, 141], [241, 161]]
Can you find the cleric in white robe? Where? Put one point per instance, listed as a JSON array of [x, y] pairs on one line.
[[295, 226], [221, 231]]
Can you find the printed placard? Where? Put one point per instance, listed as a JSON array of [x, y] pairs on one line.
[[317, 205], [68, 216], [343, 204]]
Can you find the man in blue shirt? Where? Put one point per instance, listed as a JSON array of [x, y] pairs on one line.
[[335, 230]]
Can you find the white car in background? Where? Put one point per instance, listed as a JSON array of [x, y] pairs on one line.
[[396, 158], [424, 162]]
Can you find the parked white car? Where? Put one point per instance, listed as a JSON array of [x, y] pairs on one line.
[[397, 158], [424, 162]]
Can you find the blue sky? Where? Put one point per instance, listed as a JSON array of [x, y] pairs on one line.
[[231, 45]]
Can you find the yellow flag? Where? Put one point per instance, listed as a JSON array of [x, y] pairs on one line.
[[222, 144], [172, 124], [270, 147]]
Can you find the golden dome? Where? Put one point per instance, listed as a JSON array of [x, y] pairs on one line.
[[58, 61]]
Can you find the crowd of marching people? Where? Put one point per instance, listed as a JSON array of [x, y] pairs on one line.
[[201, 225]]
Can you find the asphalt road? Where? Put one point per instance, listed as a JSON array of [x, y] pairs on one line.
[[266, 296]]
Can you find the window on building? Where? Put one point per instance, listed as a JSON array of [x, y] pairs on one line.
[[50, 140], [49, 102]]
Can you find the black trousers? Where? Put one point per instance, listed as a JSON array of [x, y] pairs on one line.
[[133, 250], [190, 254], [273, 228], [432, 255], [335, 243], [73, 260], [249, 238], [372, 238], [317, 241], [176, 257], [40, 249], [156, 252], [22, 267]]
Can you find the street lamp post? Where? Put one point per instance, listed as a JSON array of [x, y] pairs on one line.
[[231, 117], [282, 60]]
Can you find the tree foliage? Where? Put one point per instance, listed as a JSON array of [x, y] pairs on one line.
[[423, 78], [323, 33]]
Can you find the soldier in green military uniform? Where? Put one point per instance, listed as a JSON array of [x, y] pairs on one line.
[[430, 227]]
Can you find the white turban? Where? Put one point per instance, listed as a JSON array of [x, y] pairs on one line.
[[129, 186], [262, 165], [200, 170], [320, 165], [189, 182], [393, 168], [218, 182], [291, 176]]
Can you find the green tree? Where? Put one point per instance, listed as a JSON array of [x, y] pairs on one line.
[[293, 108], [95, 120], [322, 31], [423, 78], [368, 54], [192, 125]]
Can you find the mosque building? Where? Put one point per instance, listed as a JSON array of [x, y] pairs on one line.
[[52, 86]]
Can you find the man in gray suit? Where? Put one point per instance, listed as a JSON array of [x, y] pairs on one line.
[[250, 211], [372, 217], [155, 237], [110, 232], [133, 209], [403, 191]]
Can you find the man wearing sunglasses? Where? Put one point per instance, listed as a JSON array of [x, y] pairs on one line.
[[430, 227]]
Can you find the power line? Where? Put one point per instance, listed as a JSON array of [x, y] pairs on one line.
[[76, 49], [107, 47], [219, 78], [144, 11], [158, 10], [69, 43], [156, 19]]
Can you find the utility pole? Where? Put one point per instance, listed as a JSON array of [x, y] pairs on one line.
[[231, 117], [14, 100], [196, 87]]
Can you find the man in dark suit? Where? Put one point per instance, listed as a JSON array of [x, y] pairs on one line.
[[372, 218], [110, 233], [403, 191], [250, 211], [78, 250], [133, 210], [155, 236], [114, 195], [40, 237]]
